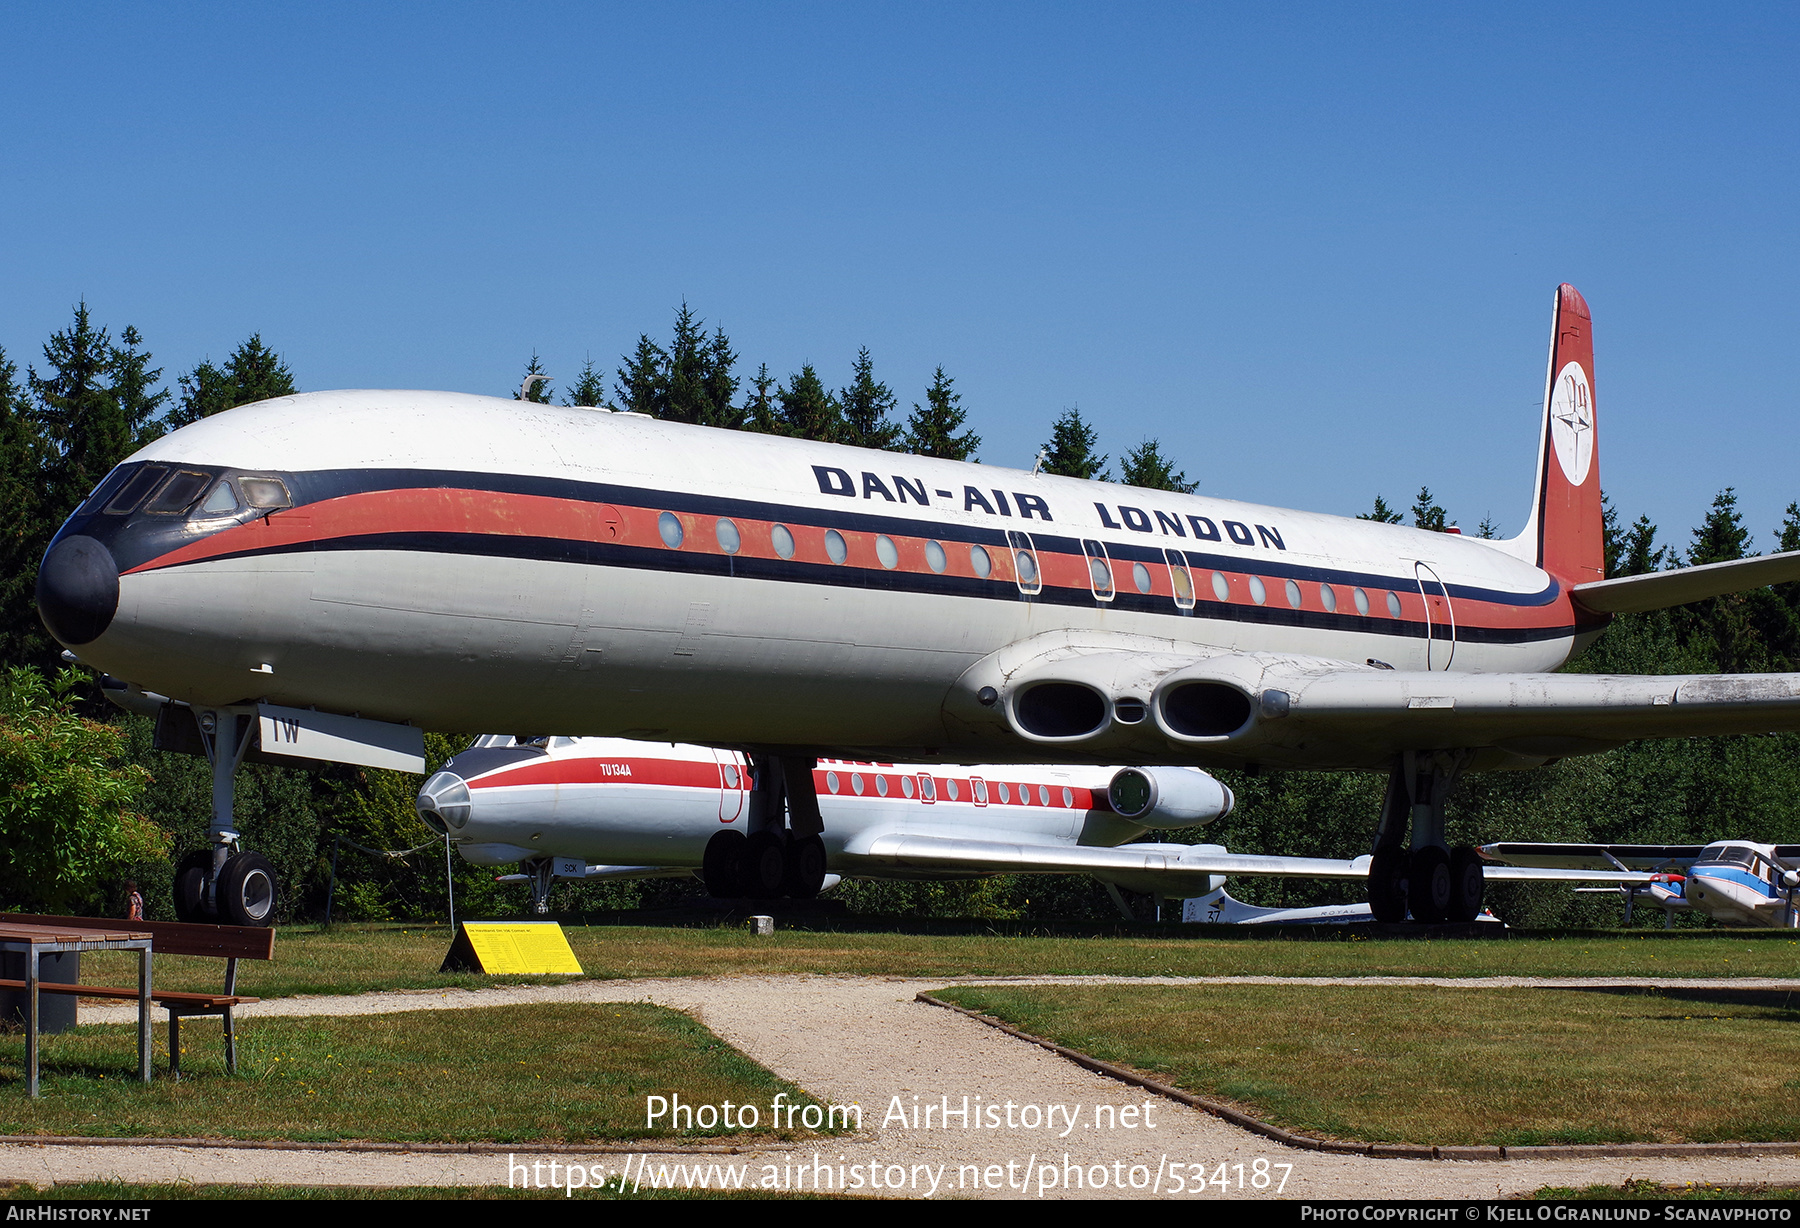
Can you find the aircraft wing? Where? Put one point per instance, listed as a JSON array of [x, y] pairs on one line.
[[1658, 590], [1574, 857], [1174, 867], [1284, 710]]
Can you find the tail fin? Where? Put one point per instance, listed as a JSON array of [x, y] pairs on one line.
[[1564, 535]]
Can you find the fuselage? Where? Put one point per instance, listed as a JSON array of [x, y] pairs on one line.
[[616, 802], [464, 562], [1740, 883]]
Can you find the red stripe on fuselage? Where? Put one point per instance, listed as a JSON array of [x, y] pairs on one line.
[[680, 773], [458, 510]]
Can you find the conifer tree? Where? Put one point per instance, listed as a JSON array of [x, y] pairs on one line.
[[24, 529], [538, 390], [253, 373], [807, 411], [1146, 466], [866, 405], [688, 357], [1070, 452], [643, 386], [78, 411], [134, 387], [932, 428], [720, 384], [758, 410], [1381, 513], [1428, 515], [589, 388]]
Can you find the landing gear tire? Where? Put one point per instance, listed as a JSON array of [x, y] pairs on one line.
[[1428, 887], [247, 890], [1387, 885], [719, 864], [1467, 883], [190, 886], [805, 868], [763, 868]]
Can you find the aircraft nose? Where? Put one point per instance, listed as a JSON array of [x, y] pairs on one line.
[[444, 802], [78, 590]]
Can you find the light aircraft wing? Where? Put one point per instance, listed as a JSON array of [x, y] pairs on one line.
[[1575, 857]]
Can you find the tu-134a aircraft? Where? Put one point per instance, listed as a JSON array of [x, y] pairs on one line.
[[560, 805], [322, 575]]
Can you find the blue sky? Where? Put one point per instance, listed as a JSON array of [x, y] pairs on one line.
[[1310, 248]]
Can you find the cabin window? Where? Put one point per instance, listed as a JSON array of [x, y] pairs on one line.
[[1258, 593], [881, 785], [835, 548], [1068, 796], [928, 788], [1005, 793], [731, 776], [856, 783], [1327, 597], [1293, 594], [935, 558], [729, 538], [1221, 586], [1393, 604], [906, 785], [1180, 580], [1102, 578], [1028, 571], [782, 540], [669, 525], [1043, 795], [886, 551], [1140, 576], [981, 794], [981, 562], [951, 789], [831, 781], [1362, 600]]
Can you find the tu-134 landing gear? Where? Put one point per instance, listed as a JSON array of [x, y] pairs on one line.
[[775, 858]]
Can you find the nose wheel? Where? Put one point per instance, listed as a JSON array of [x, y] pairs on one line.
[[225, 884]]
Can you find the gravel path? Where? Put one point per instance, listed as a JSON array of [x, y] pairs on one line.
[[865, 1041]]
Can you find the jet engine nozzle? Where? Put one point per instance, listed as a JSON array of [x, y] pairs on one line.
[[78, 590], [444, 803], [1168, 797]]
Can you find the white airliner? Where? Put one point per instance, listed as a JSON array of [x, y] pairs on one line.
[[614, 808], [1735, 882], [320, 575]]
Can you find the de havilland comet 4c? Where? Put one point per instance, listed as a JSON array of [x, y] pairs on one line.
[[320, 576]]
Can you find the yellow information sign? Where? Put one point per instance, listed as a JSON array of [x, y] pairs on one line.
[[519, 947]]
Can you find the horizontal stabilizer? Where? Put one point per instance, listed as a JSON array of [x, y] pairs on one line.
[[1660, 590]]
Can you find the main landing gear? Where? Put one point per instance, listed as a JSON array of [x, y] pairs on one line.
[[775, 858], [225, 883], [1426, 878]]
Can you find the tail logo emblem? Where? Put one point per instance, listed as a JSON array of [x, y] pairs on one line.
[[1572, 422]]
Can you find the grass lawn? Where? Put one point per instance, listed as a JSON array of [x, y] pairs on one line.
[[536, 1073], [1444, 1066], [1651, 1191], [355, 958]]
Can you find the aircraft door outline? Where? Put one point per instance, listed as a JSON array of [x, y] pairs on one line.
[[1180, 576], [1439, 612], [1027, 574], [731, 786], [1100, 572]]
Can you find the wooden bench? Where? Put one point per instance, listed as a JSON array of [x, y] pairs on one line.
[[228, 942]]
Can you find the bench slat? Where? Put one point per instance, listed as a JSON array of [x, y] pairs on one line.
[[174, 937]]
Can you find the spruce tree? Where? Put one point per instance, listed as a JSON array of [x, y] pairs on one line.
[[1146, 466], [254, 372], [134, 387], [1070, 452], [807, 411], [1428, 515], [719, 383], [24, 529], [931, 431], [643, 386], [79, 413], [758, 410], [538, 390], [866, 404], [589, 388], [1381, 513], [687, 399]]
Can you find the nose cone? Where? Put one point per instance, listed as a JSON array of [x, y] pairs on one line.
[[444, 803], [78, 590]]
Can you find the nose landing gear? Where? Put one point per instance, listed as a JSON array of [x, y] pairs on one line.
[[225, 883]]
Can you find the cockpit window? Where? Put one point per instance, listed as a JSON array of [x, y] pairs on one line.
[[1732, 855], [108, 487], [179, 492], [265, 493], [142, 483], [220, 501]]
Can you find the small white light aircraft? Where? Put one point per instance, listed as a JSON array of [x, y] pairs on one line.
[[1735, 882], [320, 575]]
